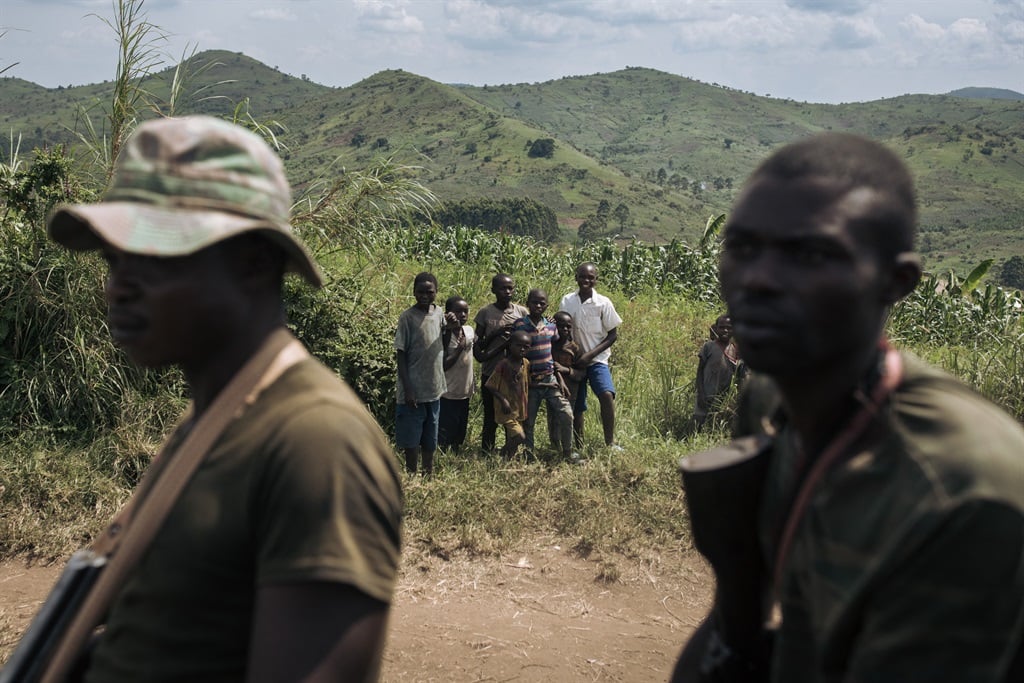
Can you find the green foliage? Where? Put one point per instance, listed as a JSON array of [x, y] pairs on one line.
[[654, 143], [350, 337], [945, 309], [338, 209], [543, 148], [518, 216], [975, 332], [633, 269], [58, 367], [33, 191]]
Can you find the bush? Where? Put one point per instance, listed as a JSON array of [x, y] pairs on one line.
[[58, 366], [518, 216], [543, 148]]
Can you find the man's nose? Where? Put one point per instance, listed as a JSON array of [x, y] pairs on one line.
[[122, 283]]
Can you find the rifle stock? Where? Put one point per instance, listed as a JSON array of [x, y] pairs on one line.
[[723, 493], [30, 658]]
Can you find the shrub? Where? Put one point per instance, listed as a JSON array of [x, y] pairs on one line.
[[542, 148], [58, 366]]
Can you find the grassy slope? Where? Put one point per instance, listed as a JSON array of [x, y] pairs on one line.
[[431, 125], [615, 132]]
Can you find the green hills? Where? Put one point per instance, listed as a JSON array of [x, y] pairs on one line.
[[651, 153]]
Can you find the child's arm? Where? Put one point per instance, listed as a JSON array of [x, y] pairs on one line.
[[451, 355], [496, 382], [585, 359], [480, 350], [574, 373], [403, 375], [562, 385], [701, 365], [483, 339]]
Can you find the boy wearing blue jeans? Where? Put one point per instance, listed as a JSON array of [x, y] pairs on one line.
[[597, 325], [419, 355]]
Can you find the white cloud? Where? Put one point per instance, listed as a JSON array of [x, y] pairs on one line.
[[969, 31], [495, 26], [741, 32], [386, 17], [920, 29], [854, 33], [273, 14], [624, 14], [968, 44]]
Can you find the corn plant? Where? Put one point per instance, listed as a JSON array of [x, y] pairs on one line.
[[948, 310]]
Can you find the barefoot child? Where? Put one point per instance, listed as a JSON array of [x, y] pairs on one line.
[[493, 327], [509, 384], [418, 354], [564, 352], [545, 384]]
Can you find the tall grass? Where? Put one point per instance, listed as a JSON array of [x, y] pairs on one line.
[[139, 54]]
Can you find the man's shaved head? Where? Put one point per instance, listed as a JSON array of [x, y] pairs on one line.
[[849, 163]]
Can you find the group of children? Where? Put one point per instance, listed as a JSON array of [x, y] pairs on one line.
[[526, 359]]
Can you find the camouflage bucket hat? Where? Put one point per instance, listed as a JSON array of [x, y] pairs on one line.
[[183, 184]]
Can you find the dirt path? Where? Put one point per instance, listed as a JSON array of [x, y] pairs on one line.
[[539, 615]]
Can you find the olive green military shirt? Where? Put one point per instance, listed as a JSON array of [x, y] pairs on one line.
[[908, 564], [301, 487]]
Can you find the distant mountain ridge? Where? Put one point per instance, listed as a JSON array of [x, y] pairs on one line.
[[660, 152], [987, 93]]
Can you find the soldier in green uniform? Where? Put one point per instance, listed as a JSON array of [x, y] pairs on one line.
[[278, 560], [891, 514]]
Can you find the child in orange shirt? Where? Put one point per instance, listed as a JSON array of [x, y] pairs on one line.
[[510, 383]]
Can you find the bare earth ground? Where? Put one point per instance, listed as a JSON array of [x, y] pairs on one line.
[[540, 615]]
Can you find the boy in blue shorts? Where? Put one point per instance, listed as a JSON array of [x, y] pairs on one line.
[[597, 325], [419, 355]]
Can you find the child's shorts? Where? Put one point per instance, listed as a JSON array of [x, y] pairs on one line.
[[417, 426], [600, 379], [513, 428]]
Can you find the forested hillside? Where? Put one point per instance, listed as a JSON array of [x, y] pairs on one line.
[[636, 152]]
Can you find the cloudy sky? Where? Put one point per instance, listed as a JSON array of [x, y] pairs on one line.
[[814, 50]]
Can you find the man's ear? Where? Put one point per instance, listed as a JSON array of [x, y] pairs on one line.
[[904, 275], [261, 262]]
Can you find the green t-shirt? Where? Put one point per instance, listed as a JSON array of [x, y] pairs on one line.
[[908, 564], [418, 335], [301, 487]]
